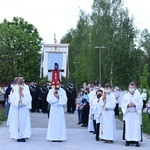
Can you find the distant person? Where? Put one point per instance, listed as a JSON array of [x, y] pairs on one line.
[[71, 95], [144, 98], [2, 100], [79, 107], [7, 101], [86, 106], [34, 91], [43, 95]]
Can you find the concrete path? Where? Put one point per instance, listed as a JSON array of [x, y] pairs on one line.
[[78, 138]]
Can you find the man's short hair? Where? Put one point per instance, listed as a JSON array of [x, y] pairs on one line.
[[20, 75], [107, 85], [132, 84], [95, 83]]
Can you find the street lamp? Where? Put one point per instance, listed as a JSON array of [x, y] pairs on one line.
[[76, 72], [100, 47]]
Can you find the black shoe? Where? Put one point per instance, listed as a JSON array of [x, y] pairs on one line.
[[127, 143], [84, 125], [137, 144], [97, 139], [23, 140], [56, 140], [19, 140]]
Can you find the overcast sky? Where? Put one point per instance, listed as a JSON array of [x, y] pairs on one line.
[[58, 16]]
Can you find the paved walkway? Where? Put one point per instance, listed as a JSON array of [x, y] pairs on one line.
[[78, 138]]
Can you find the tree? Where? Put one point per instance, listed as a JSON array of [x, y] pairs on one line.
[[109, 25], [144, 78], [79, 55], [19, 50], [145, 45], [114, 29]]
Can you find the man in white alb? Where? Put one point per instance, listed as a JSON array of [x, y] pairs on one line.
[[132, 108], [56, 131]]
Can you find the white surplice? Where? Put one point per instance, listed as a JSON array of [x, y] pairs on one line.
[[56, 125], [20, 123], [97, 110], [107, 120], [92, 96], [132, 116]]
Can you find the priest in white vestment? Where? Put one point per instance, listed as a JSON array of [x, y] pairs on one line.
[[108, 123], [132, 108], [20, 126], [56, 131]]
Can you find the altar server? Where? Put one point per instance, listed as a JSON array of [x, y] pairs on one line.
[[132, 108]]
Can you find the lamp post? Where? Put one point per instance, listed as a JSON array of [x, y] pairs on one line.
[[99, 48], [76, 72]]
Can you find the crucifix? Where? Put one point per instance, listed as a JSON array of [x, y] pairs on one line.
[[55, 75]]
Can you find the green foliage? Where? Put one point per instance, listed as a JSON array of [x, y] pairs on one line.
[[144, 78], [79, 51], [145, 44], [42, 80], [2, 115], [145, 123], [19, 50], [109, 25]]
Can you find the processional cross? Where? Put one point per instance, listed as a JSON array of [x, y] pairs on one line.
[[56, 71]]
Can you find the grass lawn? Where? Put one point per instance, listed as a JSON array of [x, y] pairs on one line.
[[2, 115], [145, 122]]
